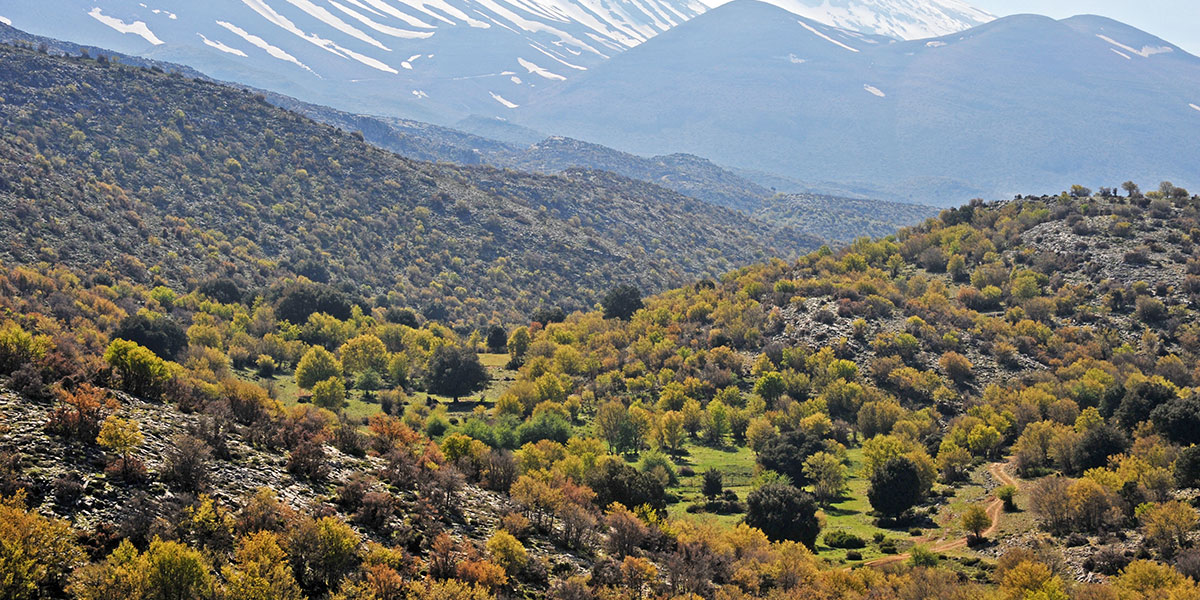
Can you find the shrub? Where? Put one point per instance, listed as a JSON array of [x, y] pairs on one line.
[[317, 365], [1007, 494], [920, 556], [329, 394], [507, 551], [854, 555], [844, 539], [186, 464]]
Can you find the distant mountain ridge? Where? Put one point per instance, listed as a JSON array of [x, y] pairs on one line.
[[1018, 104], [432, 60]]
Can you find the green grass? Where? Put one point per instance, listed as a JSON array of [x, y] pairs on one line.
[[287, 392], [737, 467]]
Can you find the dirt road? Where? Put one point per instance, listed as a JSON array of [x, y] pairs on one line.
[[995, 508]]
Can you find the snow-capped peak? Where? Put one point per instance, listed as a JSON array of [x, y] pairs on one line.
[[900, 19]]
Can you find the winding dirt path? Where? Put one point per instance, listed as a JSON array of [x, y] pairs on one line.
[[995, 508]]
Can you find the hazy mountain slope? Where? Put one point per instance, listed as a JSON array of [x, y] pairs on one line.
[[438, 61], [159, 176], [1021, 103], [442, 59]]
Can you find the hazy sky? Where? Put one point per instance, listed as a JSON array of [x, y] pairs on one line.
[[1177, 21]]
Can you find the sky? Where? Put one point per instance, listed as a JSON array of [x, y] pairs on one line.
[[1176, 21]]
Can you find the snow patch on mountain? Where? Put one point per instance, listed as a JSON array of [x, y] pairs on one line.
[[1145, 52], [536, 70], [825, 37], [900, 19], [380, 27], [273, 51], [137, 27], [501, 100], [221, 46], [6, 21]]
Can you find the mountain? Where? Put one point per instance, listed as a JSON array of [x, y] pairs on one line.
[[439, 61], [160, 178], [1023, 102], [899, 19]]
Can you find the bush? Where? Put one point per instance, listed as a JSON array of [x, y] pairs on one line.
[[920, 556], [854, 555], [1007, 494], [844, 539], [185, 465]]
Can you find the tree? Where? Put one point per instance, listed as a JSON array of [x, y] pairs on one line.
[[712, 483], [1187, 467], [786, 455], [1132, 189], [259, 571], [759, 433], [716, 423], [1167, 525], [364, 353], [507, 552], [1179, 420], [329, 394], [976, 520], [160, 334], [895, 487], [120, 436], [141, 372], [518, 344], [497, 339], [454, 371], [828, 476], [317, 365], [175, 571], [36, 552], [669, 434], [783, 512], [770, 386], [957, 367], [621, 302], [615, 481], [322, 552], [615, 426]]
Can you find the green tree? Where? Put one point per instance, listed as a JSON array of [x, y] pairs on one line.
[[454, 371], [330, 394], [712, 483], [140, 371], [828, 475], [121, 436], [364, 353], [976, 520], [621, 302], [783, 512], [716, 423], [770, 386], [176, 572], [895, 487], [317, 365]]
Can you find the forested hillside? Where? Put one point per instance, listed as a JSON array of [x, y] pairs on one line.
[[160, 178], [999, 403]]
